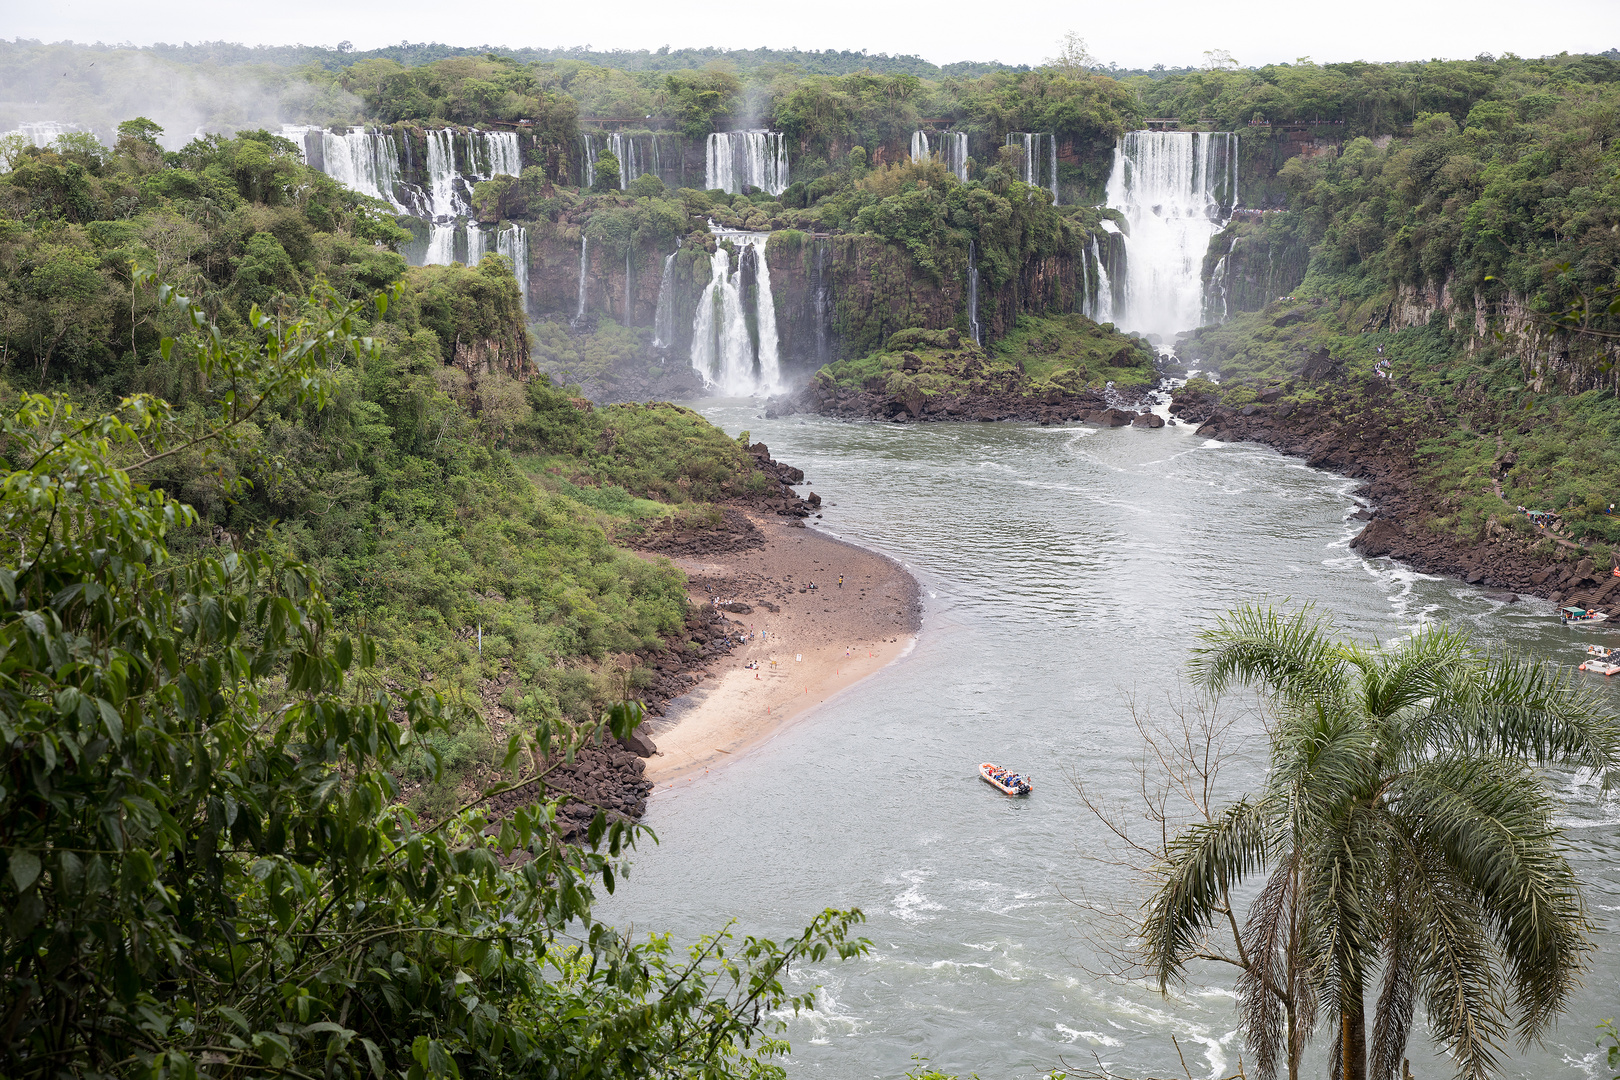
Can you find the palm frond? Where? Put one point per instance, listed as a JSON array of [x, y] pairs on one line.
[[1392, 1019], [1517, 706], [1261, 986], [1202, 864], [1490, 820], [1285, 656]]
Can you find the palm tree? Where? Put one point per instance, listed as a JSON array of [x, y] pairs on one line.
[[1405, 830]]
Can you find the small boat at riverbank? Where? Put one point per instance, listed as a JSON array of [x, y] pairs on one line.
[[1005, 780], [1579, 614]]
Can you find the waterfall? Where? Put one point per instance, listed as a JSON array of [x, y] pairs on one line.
[[1216, 309], [624, 148], [954, 148], [919, 146], [1176, 190], [589, 160], [973, 293], [821, 302], [369, 162], [501, 153], [737, 159], [723, 353], [664, 314], [42, 133], [1086, 280], [1039, 170], [514, 244], [1051, 170], [1102, 308], [629, 312], [584, 247], [364, 161]]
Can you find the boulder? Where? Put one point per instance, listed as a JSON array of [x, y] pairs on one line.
[[1380, 537], [1112, 418], [1148, 420], [639, 744]]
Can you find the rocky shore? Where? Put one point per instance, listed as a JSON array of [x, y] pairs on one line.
[[1350, 434], [613, 776]]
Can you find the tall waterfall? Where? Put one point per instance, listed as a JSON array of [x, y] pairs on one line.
[[723, 352], [589, 159], [1176, 190], [664, 314], [973, 293], [514, 244], [757, 159], [584, 249], [1040, 159], [477, 244], [951, 146]]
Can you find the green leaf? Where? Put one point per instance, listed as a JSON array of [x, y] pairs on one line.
[[24, 867]]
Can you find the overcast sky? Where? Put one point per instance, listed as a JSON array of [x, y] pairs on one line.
[[1170, 32]]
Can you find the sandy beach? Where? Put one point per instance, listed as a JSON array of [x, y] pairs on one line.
[[807, 643]]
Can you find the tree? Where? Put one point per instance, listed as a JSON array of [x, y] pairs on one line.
[[207, 871], [1404, 828], [1219, 60], [1073, 58], [607, 173]]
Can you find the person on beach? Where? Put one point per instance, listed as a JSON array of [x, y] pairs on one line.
[[840, 581]]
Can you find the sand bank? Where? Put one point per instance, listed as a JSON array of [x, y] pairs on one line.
[[808, 643]]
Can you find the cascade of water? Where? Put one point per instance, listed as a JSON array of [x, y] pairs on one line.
[[973, 292], [501, 154], [954, 147], [1102, 309], [623, 147], [590, 159], [1051, 169], [629, 312], [41, 133], [756, 159], [723, 352], [514, 244], [664, 314], [1085, 282], [477, 244], [1039, 169], [1215, 290], [1176, 190], [705, 346], [919, 146], [584, 247]]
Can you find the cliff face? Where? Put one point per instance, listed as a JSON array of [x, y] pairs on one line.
[[1258, 257], [835, 296], [1550, 359]]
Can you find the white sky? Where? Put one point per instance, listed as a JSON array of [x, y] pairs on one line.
[[1171, 32]]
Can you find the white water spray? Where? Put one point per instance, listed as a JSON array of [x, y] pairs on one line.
[[757, 159], [664, 314], [723, 352], [514, 244], [1176, 190]]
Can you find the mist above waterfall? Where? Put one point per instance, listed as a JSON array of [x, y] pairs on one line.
[[96, 90]]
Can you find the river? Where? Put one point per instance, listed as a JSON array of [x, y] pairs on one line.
[[1063, 569]]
